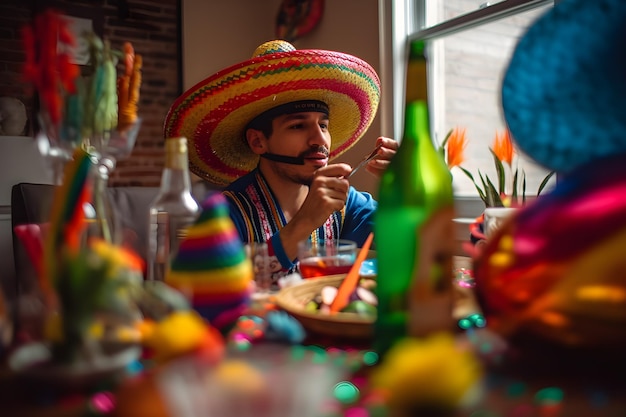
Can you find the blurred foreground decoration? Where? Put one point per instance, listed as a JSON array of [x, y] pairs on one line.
[[90, 313], [554, 273], [267, 380], [556, 269]]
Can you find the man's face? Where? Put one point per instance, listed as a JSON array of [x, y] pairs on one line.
[[302, 135]]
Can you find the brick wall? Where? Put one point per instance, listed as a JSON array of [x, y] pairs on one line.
[[151, 26]]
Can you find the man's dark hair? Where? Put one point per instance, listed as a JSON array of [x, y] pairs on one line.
[[264, 124], [263, 121]]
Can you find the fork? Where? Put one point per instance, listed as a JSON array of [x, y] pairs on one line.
[[365, 160]]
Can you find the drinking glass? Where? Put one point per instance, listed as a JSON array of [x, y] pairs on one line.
[[257, 251], [326, 257]]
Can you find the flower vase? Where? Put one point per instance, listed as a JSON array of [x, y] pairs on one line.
[[102, 221], [55, 145], [105, 149], [488, 223]]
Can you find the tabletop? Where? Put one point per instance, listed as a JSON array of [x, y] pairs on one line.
[[532, 379]]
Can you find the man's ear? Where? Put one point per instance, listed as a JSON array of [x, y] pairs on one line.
[[256, 141]]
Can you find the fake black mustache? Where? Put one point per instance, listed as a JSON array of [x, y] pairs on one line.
[[293, 160]]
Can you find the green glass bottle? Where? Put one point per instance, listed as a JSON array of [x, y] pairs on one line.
[[413, 228]]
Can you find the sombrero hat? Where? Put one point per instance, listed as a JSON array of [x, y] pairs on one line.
[[213, 114], [564, 92]]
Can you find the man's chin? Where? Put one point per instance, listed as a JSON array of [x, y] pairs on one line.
[[307, 181]]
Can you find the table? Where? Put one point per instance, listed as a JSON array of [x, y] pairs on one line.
[[529, 382]]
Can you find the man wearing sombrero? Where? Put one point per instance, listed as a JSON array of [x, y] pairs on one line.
[[263, 129]]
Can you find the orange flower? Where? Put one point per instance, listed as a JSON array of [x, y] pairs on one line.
[[456, 147], [503, 147]]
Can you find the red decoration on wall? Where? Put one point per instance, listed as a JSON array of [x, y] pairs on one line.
[[297, 18]]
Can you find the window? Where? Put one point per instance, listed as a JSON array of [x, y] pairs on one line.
[[470, 44]]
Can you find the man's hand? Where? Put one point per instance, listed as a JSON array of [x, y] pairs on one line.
[[379, 164], [328, 193]]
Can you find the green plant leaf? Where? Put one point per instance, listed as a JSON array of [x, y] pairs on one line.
[[545, 182], [488, 196], [523, 179], [442, 147], [499, 171], [514, 196], [494, 194], [481, 193]]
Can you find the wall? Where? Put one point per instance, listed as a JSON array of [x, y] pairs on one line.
[[152, 27], [216, 34]]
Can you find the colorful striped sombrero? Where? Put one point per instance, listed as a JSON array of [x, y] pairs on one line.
[[214, 113]]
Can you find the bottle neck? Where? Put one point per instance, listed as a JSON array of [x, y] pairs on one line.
[[175, 176], [417, 122], [417, 74], [175, 180]]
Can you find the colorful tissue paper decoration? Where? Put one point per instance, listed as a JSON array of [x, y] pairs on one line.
[[75, 109], [110, 101], [211, 266], [51, 73], [87, 286], [556, 271], [67, 219], [128, 87]]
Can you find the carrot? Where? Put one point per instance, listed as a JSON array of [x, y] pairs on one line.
[[352, 278]]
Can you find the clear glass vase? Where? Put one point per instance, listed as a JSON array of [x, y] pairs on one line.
[[105, 149], [56, 145]]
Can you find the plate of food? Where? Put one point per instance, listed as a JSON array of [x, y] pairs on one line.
[[309, 303]]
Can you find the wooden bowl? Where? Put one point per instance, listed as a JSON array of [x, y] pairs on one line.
[[343, 325]]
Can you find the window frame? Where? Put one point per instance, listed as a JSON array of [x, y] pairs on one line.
[[404, 21]]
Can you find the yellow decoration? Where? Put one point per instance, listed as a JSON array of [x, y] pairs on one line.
[[238, 376], [179, 333], [433, 372]]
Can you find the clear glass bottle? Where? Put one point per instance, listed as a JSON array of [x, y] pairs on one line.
[[173, 210], [413, 227]]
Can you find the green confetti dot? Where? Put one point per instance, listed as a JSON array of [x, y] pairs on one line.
[[319, 354], [465, 324], [346, 392], [243, 345], [370, 358], [550, 395], [479, 321]]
